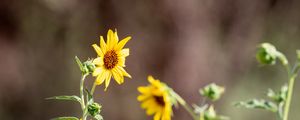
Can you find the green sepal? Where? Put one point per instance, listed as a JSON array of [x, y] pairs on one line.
[[65, 97], [79, 63], [65, 118], [98, 117], [86, 67]]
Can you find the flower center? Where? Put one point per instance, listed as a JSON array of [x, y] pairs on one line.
[[159, 100], [110, 59]]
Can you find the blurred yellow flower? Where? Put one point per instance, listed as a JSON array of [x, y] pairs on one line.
[[111, 59], [156, 99]]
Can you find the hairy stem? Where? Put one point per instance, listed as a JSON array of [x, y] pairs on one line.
[[292, 77], [82, 97], [289, 98], [93, 88]]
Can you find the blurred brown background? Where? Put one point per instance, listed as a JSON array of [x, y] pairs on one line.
[[185, 43]]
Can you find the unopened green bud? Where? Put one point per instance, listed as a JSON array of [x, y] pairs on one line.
[[212, 91], [94, 109], [88, 67], [210, 114], [267, 54]]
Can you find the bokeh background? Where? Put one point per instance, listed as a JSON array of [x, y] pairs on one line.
[[185, 43]]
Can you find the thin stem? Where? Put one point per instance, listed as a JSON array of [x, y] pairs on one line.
[[292, 78], [289, 98], [93, 88], [287, 67], [82, 96], [185, 105]]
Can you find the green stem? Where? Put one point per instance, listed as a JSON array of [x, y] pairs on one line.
[[185, 105], [82, 97], [289, 98], [292, 77], [93, 88]]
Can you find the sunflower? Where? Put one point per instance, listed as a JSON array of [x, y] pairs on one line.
[[156, 99], [111, 59]]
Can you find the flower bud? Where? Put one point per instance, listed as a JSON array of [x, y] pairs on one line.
[[94, 109], [212, 91], [88, 66], [267, 54], [210, 114]]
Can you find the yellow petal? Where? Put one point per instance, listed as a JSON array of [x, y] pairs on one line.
[[121, 75], [122, 43], [144, 90], [121, 61], [100, 78], [124, 52], [150, 111], [111, 41], [107, 80], [116, 37], [150, 78], [157, 116], [117, 76], [98, 49], [98, 61], [142, 97], [97, 71], [103, 45], [118, 71], [166, 116], [123, 71], [147, 103]]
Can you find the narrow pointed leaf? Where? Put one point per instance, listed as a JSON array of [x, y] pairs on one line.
[[258, 104], [79, 63], [68, 98], [65, 118]]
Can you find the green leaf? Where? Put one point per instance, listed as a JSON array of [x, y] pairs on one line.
[[65, 118], [70, 98], [79, 63], [280, 96], [258, 104]]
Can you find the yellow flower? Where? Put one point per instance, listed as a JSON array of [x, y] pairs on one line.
[[156, 99], [111, 59]]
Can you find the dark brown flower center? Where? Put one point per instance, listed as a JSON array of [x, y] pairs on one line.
[[159, 100], [110, 59]]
